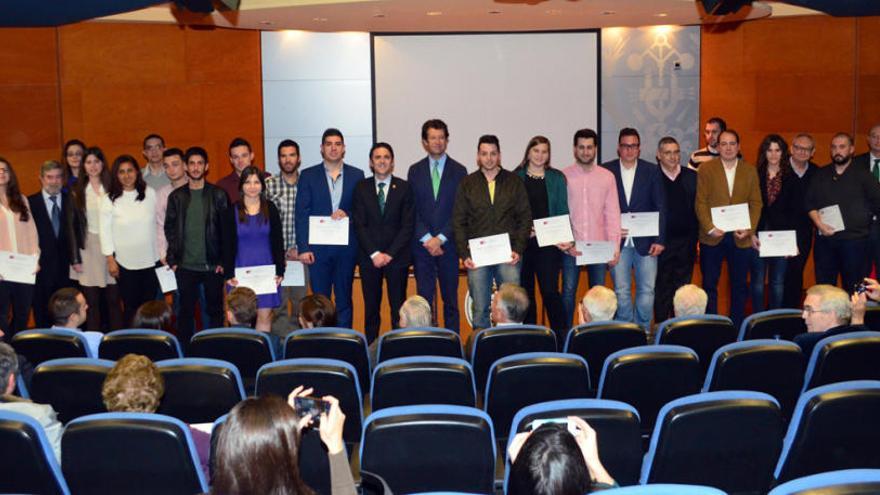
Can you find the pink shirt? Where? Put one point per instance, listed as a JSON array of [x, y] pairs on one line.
[[593, 204]]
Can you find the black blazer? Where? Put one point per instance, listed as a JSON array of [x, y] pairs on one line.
[[783, 213], [276, 241], [54, 251], [390, 233]]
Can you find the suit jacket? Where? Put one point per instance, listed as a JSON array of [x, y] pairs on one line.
[[54, 251], [712, 191], [863, 160], [390, 232], [803, 225], [313, 199], [434, 216], [647, 194]]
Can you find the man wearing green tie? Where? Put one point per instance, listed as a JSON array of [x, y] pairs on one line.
[[434, 180], [871, 161]]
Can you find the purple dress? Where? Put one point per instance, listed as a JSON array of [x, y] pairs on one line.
[[254, 248]]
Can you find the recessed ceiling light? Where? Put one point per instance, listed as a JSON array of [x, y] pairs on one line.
[[319, 19], [433, 13], [266, 23], [608, 12], [495, 12], [379, 15], [661, 14]]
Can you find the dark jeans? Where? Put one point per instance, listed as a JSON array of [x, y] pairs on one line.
[[546, 264], [738, 261], [18, 298], [571, 273], [394, 275], [773, 269], [135, 288], [104, 313], [675, 268], [188, 282], [845, 257]]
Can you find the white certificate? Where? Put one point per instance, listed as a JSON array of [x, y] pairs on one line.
[[778, 243], [294, 275], [325, 230], [167, 280], [731, 218], [490, 250], [830, 215], [21, 268], [553, 230], [260, 279], [642, 224], [594, 252]]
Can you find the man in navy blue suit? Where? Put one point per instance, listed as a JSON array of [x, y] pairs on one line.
[[326, 189], [434, 180], [639, 189]]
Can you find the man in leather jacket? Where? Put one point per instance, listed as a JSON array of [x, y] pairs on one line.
[[196, 231]]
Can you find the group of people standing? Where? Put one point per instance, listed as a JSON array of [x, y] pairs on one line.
[[108, 227]]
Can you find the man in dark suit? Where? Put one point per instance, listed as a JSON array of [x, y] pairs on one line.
[[639, 189], [48, 208], [802, 148], [870, 160], [327, 189], [383, 215], [434, 180]]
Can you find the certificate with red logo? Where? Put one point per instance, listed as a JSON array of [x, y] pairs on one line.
[[490, 250], [326, 231], [551, 231]]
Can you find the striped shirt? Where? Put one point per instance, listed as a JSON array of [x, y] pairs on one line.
[[283, 195]]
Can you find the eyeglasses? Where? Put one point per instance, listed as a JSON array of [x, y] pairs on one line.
[[629, 146], [801, 148], [809, 311]]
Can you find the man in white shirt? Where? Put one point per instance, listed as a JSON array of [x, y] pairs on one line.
[[68, 308]]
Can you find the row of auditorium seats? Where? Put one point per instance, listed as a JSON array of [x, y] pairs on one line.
[[733, 441]]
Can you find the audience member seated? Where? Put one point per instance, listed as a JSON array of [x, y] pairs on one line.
[[317, 311], [135, 385], [241, 312], [43, 413], [68, 309], [690, 300], [415, 312], [154, 315], [509, 305], [257, 451], [599, 304], [829, 310], [553, 461]]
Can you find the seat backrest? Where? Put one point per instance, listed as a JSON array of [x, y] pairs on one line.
[[530, 378], [739, 454], [331, 343], [420, 448], [664, 489], [408, 342], [776, 324], [596, 341], [833, 427], [843, 482], [247, 349], [72, 386], [130, 453], [326, 377], [155, 344], [844, 357], [775, 367], [50, 343], [27, 462], [199, 390], [705, 334], [416, 380], [648, 377], [872, 318], [617, 431], [492, 344]]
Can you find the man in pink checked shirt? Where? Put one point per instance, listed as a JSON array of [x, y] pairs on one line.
[[595, 214]]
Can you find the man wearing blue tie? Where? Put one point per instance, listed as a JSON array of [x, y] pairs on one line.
[[434, 180], [326, 189]]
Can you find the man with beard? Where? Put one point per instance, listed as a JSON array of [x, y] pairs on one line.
[[194, 230], [281, 190], [857, 194], [714, 127]]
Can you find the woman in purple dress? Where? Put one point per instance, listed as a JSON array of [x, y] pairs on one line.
[[257, 239]]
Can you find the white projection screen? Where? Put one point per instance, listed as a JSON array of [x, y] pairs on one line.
[[514, 85]]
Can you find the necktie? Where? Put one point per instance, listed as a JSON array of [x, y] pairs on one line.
[[435, 178], [56, 214], [876, 168], [382, 198]]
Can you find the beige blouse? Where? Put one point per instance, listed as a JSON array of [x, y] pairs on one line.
[[17, 236]]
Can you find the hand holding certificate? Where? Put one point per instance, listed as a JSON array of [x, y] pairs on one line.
[[731, 218], [260, 279], [326, 231], [642, 224], [490, 250], [594, 252], [294, 275], [15, 267], [553, 230], [830, 216], [778, 243], [167, 280]]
